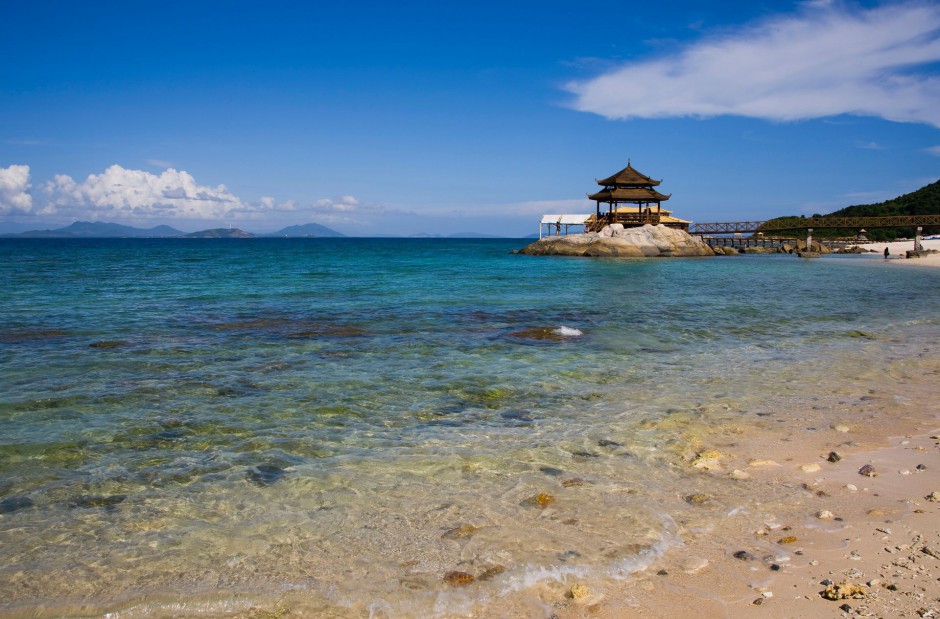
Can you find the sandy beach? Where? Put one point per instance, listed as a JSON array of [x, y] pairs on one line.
[[859, 534], [898, 250]]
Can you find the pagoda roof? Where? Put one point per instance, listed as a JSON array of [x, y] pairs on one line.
[[628, 176], [628, 194]]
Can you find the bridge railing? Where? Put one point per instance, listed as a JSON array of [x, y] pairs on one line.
[[738, 227]]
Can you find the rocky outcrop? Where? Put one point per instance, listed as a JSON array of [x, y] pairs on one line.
[[615, 240]]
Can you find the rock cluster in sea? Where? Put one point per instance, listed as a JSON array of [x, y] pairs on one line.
[[615, 240], [798, 246]]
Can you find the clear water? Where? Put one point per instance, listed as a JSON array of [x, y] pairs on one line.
[[196, 426]]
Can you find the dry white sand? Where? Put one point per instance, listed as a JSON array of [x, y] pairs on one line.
[[898, 250]]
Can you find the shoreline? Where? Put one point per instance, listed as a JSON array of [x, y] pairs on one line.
[[881, 533]]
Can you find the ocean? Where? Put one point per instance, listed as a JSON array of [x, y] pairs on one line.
[[358, 427]]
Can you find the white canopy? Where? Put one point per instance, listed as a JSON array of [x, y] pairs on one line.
[[569, 220]]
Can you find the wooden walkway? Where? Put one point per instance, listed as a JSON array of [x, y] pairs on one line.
[[736, 227]]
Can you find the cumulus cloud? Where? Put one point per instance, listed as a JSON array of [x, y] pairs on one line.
[[14, 190], [822, 61], [119, 193]]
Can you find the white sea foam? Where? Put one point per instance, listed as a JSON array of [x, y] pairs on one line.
[[568, 331]]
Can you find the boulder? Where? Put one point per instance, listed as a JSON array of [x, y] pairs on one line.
[[615, 240]]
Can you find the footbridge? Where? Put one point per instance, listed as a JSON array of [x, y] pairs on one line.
[[809, 223]]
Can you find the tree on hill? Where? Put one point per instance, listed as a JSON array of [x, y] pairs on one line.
[[924, 201]]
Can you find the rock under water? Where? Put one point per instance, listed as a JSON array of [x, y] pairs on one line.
[[615, 240]]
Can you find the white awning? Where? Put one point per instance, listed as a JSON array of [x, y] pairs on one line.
[[565, 220]]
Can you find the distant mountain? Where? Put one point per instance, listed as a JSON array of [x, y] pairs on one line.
[[307, 230], [220, 233], [99, 229]]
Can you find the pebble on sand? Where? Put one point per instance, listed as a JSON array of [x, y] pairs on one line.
[[868, 471]]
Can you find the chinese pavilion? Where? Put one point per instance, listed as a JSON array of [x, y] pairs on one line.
[[630, 197]]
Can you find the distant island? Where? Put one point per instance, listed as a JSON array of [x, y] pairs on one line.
[[105, 230]]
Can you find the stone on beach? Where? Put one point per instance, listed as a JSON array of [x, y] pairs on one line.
[[868, 471], [644, 241], [844, 591]]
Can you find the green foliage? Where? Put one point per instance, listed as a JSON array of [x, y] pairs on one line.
[[924, 201]]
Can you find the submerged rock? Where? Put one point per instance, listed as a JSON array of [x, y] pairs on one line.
[[108, 502], [640, 242], [458, 579], [109, 344], [707, 460], [464, 530], [15, 503], [491, 572], [265, 474], [697, 499], [541, 500]]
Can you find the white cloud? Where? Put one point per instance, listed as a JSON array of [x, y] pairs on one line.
[[824, 61], [119, 193], [14, 190], [933, 150], [531, 208], [869, 145], [343, 204], [349, 209]]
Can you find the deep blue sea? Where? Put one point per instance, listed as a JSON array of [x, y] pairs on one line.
[[198, 426]]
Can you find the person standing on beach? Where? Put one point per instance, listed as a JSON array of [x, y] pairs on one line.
[[886, 253]]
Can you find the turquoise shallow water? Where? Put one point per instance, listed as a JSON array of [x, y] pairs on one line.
[[196, 423]]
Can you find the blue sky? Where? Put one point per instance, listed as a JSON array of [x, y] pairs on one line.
[[434, 117]]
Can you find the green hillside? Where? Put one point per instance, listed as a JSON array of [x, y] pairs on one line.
[[924, 201]]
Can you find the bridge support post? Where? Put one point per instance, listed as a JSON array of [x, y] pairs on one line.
[[918, 246], [809, 239]]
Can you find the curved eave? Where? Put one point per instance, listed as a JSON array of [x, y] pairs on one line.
[[629, 195]]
